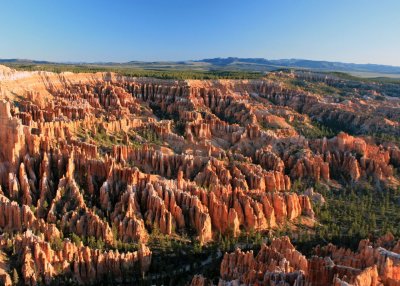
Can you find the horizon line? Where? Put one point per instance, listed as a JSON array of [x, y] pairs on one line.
[[189, 60]]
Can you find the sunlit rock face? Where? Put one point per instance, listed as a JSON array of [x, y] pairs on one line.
[[89, 162], [279, 263]]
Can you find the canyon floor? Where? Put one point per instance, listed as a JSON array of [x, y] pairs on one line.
[[289, 179]]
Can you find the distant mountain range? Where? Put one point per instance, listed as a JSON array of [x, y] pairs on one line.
[[233, 63], [258, 63], [22, 61]]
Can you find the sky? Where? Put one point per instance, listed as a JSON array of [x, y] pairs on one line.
[[357, 31]]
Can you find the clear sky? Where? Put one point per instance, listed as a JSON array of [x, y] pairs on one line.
[[360, 31]]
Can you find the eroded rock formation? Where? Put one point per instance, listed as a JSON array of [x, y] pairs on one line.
[[113, 160], [281, 264]]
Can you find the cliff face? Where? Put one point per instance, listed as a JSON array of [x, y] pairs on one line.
[[118, 159]]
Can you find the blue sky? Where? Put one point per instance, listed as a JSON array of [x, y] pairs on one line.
[[360, 31]]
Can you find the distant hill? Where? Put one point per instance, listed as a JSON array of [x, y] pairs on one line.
[[232, 64], [22, 61], [300, 63]]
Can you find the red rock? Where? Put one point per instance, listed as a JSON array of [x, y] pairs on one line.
[[90, 155]]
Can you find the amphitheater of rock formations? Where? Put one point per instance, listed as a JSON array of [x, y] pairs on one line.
[[115, 158]]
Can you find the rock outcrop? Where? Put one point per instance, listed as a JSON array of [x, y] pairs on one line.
[[92, 165], [281, 264]]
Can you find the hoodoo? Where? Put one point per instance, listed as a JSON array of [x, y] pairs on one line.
[[103, 175]]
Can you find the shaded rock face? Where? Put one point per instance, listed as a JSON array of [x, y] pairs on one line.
[[118, 159], [281, 264]]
